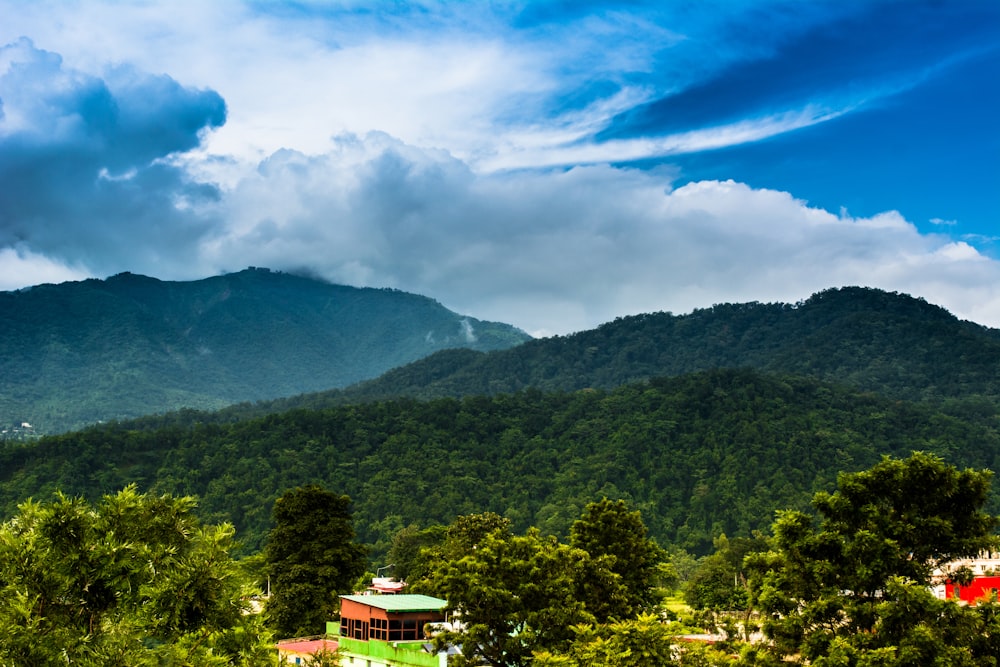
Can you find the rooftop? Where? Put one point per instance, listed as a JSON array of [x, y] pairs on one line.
[[399, 602]]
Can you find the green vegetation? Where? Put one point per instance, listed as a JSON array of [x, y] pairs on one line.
[[310, 558], [865, 338], [134, 581], [854, 590], [529, 486], [699, 456], [78, 353], [614, 534], [520, 594]]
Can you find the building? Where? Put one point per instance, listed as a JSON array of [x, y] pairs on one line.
[[981, 588], [388, 630], [985, 582]]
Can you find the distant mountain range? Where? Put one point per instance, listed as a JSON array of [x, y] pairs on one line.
[[82, 352], [866, 339]]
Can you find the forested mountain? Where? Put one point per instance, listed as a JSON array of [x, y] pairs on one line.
[[81, 352], [873, 340], [889, 343], [699, 455]]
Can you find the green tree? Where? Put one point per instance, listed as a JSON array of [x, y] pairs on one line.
[[644, 641], [134, 580], [720, 580], [515, 594], [853, 590], [311, 557], [407, 554], [612, 531]]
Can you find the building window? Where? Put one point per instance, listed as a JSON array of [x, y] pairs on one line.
[[379, 629]]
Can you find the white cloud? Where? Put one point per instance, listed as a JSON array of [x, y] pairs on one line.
[[22, 268], [564, 250]]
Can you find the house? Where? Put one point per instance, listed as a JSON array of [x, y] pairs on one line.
[[379, 630], [981, 588], [300, 651], [985, 582]]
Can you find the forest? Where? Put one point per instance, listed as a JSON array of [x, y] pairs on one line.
[[699, 455], [136, 580]]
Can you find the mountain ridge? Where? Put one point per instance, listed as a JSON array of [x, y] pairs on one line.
[[885, 342], [86, 351]]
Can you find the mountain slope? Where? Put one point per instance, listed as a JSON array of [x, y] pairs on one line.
[[81, 352], [872, 340], [700, 455]]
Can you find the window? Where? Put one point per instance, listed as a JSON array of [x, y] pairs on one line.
[[379, 629]]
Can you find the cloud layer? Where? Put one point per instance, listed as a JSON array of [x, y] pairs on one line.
[[552, 165], [562, 250]]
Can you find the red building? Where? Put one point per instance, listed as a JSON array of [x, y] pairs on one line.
[[981, 588], [388, 617]]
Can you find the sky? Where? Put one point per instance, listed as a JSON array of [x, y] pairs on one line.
[[553, 165]]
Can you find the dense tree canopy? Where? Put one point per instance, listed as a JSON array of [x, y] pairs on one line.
[[700, 456], [311, 557], [515, 594], [853, 590], [135, 580]]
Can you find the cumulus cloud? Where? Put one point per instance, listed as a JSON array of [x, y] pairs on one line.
[[521, 215], [85, 167], [563, 250]]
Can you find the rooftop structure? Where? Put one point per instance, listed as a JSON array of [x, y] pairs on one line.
[[388, 630]]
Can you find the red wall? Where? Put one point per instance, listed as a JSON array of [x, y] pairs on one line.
[[980, 588]]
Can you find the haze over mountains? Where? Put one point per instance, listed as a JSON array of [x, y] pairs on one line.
[[81, 352]]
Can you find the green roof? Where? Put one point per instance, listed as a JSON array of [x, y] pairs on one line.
[[399, 602]]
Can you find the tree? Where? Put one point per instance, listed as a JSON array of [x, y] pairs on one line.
[[311, 557], [409, 548], [853, 591], [134, 580], [514, 594], [609, 529], [640, 642], [719, 582]]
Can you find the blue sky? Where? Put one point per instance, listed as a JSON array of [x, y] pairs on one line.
[[549, 164]]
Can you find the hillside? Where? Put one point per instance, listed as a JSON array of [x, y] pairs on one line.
[[82, 352], [868, 339], [700, 454]]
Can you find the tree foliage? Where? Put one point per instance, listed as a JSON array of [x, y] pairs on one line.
[[611, 530], [135, 580], [514, 594], [644, 641], [854, 589], [311, 557], [699, 455], [719, 581]]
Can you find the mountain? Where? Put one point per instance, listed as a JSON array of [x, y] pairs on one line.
[[699, 455], [892, 344], [81, 352]]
